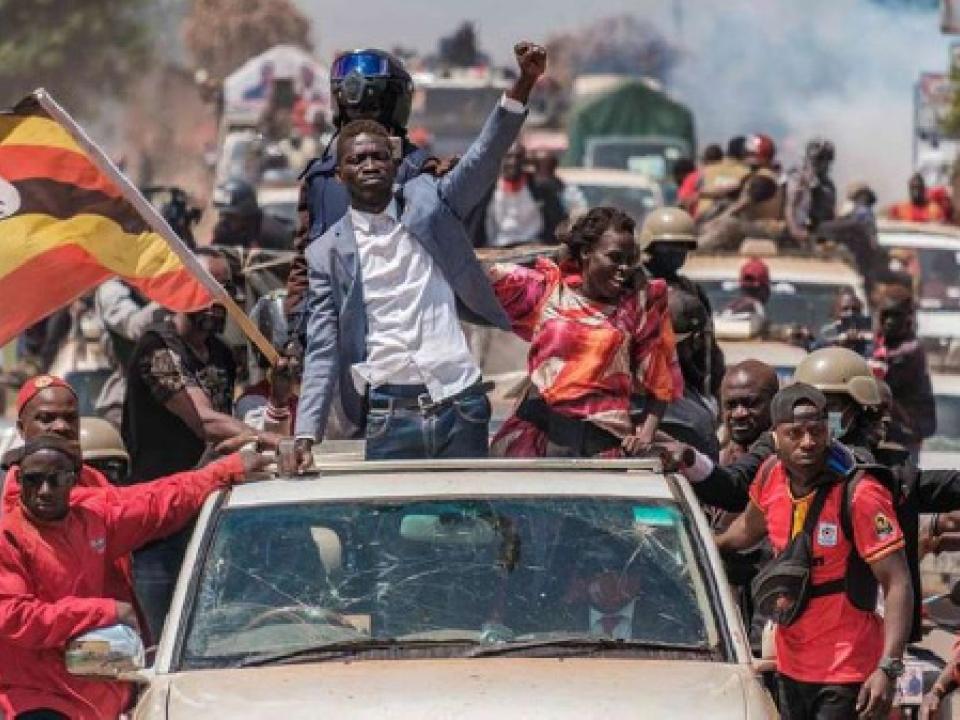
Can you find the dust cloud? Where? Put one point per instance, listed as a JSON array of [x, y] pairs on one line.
[[842, 69]]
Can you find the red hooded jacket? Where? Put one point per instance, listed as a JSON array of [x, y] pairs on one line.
[[58, 580]]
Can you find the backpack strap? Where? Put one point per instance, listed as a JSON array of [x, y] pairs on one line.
[[849, 488], [816, 507], [831, 587]]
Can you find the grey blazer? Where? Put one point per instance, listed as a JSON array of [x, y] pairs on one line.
[[432, 210]]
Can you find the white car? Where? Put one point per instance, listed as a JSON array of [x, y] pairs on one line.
[[781, 356], [467, 589], [280, 201], [631, 192], [935, 252], [942, 451], [804, 288]]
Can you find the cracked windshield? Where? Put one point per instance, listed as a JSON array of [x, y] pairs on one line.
[[462, 574]]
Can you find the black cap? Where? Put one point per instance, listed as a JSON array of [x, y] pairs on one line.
[[48, 441], [784, 402]]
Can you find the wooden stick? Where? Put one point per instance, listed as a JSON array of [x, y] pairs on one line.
[[157, 223]]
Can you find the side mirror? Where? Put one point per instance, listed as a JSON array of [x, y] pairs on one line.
[[115, 652]]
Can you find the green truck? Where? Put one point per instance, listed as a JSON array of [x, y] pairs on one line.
[[628, 124]]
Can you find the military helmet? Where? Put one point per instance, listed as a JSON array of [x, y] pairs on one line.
[[669, 225], [99, 439], [839, 370], [103, 449]]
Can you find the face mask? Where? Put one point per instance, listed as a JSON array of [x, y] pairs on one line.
[[666, 262]]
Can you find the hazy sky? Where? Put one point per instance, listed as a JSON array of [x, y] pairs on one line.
[[340, 24], [843, 69]]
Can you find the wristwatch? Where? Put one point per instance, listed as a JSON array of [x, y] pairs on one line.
[[892, 667]]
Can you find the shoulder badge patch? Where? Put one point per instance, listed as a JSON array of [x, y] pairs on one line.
[[882, 526]]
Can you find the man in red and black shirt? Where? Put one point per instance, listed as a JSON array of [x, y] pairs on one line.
[[835, 660]]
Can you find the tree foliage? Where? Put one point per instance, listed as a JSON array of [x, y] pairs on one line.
[[223, 34], [82, 50]]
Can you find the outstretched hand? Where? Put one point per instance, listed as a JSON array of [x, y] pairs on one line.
[[254, 462]]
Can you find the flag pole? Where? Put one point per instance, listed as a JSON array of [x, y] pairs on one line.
[[157, 223]]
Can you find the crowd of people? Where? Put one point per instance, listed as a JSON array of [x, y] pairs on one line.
[[813, 488]]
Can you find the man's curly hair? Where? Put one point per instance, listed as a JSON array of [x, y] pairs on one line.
[[586, 231], [363, 126]]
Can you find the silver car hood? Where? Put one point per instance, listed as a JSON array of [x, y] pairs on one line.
[[467, 690]]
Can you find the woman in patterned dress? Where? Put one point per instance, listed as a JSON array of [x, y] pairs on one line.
[[600, 336]]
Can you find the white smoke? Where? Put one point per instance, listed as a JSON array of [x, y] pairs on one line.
[[842, 69]]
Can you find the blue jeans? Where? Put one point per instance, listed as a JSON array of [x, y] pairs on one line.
[[458, 430]]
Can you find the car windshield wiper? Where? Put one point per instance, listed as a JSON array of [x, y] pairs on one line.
[[579, 645], [336, 650]]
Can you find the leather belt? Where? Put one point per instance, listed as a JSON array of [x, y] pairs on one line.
[[425, 405]]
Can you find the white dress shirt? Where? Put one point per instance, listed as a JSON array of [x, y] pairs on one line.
[[413, 333], [623, 629], [513, 217]]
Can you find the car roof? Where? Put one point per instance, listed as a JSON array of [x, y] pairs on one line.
[[604, 176], [353, 481], [923, 235], [783, 268], [267, 194], [945, 384], [773, 352]]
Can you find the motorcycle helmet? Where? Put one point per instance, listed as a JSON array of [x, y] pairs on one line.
[[373, 84], [760, 150]]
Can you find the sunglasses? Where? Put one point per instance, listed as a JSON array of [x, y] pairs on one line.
[[368, 64], [58, 480]]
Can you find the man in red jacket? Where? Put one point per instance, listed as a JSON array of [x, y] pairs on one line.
[[47, 404], [56, 551]]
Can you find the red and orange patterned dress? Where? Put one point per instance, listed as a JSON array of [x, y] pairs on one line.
[[586, 358]]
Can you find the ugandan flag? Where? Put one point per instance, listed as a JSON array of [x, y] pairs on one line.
[[66, 226]]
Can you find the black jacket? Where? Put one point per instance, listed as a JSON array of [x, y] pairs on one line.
[[727, 486]]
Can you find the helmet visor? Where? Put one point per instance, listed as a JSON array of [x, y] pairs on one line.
[[368, 64]]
